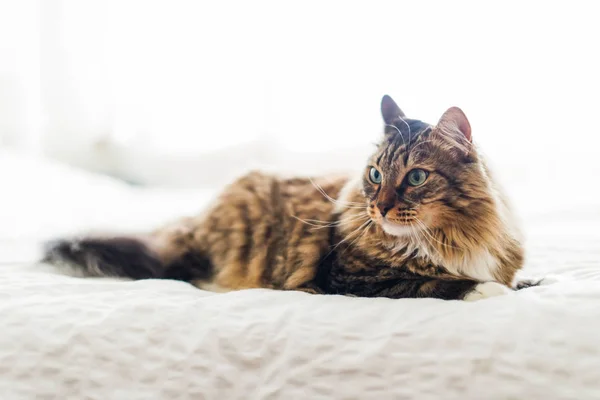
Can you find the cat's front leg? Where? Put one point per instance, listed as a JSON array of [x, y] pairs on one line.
[[486, 290], [463, 290], [446, 289], [524, 283]]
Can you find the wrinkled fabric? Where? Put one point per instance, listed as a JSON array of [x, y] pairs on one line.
[[64, 337]]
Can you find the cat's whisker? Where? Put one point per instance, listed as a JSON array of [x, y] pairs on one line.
[[364, 230], [322, 191], [415, 236], [307, 222], [426, 230], [355, 217], [350, 217], [427, 240], [399, 133], [317, 224], [331, 199], [424, 244], [342, 222], [349, 236], [409, 133]]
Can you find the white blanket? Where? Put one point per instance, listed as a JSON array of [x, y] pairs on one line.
[[63, 337]]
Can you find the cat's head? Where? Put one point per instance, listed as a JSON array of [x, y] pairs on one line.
[[424, 175]]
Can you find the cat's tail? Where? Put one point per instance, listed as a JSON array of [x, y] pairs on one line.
[[124, 256]]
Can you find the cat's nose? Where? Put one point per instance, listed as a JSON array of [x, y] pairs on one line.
[[384, 207]]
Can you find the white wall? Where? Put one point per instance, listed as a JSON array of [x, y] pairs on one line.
[[20, 104], [131, 87]]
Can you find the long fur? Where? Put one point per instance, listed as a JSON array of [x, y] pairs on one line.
[[123, 256], [114, 256], [452, 237]]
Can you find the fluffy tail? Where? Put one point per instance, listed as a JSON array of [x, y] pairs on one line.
[[129, 257]]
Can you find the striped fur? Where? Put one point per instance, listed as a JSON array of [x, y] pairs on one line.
[[444, 239]]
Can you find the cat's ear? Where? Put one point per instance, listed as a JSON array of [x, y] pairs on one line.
[[454, 120], [390, 110]]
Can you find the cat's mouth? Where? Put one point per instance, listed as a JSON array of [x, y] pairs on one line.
[[397, 228]]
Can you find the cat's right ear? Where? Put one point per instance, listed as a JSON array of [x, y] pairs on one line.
[[390, 110]]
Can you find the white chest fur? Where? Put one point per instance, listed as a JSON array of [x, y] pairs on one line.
[[479, 264]]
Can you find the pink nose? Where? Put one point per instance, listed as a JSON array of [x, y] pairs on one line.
[[384, 207]]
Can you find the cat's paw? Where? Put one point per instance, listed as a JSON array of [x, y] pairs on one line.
[[529, 282], [485, 290]]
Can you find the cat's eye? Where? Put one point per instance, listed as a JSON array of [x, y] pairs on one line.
[[417, 177], [374, 175]]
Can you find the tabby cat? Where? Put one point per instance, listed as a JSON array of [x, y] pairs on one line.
[[425, 219]]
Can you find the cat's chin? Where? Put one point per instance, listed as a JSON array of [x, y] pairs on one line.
[[395, 229]]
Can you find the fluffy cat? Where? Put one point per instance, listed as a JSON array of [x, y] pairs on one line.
[[425, 219]]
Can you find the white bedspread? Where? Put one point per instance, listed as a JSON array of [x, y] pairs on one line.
[[63, 337]]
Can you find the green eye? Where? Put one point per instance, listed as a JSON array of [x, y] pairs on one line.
[[417, 177], [374, 175]]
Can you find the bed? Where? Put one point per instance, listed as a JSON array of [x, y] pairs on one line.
[[64, 337]]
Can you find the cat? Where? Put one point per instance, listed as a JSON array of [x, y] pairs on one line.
[[424, 219]]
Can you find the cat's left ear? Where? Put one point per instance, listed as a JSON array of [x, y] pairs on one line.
[[390, 110], [455, 120]]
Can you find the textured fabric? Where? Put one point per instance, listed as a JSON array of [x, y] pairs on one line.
[[65, 337]]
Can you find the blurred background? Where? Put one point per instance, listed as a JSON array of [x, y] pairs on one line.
[[190, 93]]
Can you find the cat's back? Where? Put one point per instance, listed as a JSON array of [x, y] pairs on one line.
[[269, 230], [272, 192]]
